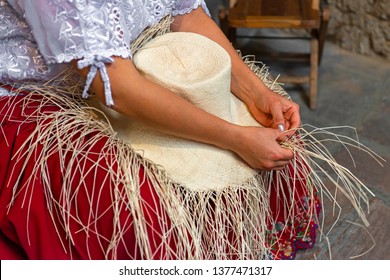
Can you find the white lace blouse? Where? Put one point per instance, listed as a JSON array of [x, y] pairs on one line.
[[38, 37]]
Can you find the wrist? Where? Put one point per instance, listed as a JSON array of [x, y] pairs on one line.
[[248, 89], [231, 139]]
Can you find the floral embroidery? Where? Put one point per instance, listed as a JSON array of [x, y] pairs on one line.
[[76, 29], [285, 239]]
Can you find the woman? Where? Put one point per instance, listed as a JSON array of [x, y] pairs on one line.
[[93, 37]]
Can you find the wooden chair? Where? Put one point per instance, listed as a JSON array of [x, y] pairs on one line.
[[312, 15]]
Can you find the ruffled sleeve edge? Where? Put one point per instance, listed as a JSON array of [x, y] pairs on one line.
[[201, 3], [97, 62], [65, 58]]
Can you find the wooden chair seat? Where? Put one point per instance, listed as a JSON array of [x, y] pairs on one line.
[[284, 14]]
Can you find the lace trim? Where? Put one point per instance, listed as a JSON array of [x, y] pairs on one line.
[[146, 12], [191, 8], [65, 58]]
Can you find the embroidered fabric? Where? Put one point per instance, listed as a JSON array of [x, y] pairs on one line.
[[33, 46], [286, 238], [19, 56]]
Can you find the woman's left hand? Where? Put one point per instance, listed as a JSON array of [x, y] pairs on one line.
[[268, 108], [272, 110]]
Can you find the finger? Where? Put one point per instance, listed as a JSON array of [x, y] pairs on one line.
[[279, 165], [293, 117], [290, 131], [281, 127], [280, 134], [284, 153], [288, 125], [277, 115]]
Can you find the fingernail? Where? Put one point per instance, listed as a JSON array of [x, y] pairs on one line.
[[281, 127]]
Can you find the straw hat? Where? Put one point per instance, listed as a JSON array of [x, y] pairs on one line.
[[199, 70]]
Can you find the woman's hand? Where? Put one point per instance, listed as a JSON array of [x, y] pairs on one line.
[[259, 148], [271, 110]]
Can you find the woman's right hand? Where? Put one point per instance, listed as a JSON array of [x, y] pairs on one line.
[[260, 149]]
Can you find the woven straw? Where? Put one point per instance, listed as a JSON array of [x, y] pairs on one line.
[[198, 70], [204, 221]]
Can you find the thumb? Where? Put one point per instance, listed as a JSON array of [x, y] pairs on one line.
[[278, 117], [280, 136], [286, 152]]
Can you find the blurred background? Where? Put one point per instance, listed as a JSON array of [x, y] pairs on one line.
[[353, 91]]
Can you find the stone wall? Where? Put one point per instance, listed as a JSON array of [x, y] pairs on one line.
[[361, 26]]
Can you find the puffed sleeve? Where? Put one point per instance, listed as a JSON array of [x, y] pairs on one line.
[[90, 31], [186, 6]]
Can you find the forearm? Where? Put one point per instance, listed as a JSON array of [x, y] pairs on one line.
[[161, 109], [244, 83]]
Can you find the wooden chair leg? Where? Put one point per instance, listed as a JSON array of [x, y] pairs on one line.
[[229, 31], [223, 20], [314, 52], [232, 34], [325, 15]]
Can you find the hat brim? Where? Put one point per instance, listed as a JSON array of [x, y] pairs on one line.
[[199, 70]]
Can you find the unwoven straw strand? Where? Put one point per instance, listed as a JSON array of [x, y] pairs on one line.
[[231, 223]]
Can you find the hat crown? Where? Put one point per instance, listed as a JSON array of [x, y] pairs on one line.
[[192, 66], [199, 70]]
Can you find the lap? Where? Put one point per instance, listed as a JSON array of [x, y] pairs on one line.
[[83, 214]]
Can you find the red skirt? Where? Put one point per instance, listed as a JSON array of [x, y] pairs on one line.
[[32, 226]]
